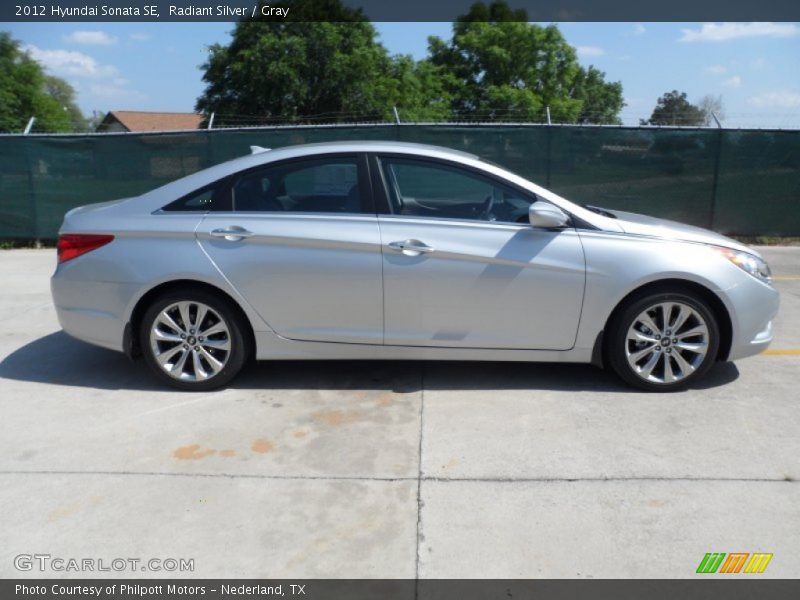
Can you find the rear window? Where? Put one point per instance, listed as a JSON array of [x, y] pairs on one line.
[[327, 185], [206, 199]]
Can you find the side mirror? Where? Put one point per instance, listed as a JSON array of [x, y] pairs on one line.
[[547, 216]]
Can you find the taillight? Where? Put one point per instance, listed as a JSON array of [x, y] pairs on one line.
[[71, 245]]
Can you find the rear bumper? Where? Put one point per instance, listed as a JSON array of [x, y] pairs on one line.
[[91, 311], [100, 329]]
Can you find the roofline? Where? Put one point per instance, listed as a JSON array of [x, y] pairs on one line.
[[157, 112], [366, 146], [120, 117]]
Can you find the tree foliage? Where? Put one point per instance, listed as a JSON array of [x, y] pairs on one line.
[[417, 90], [26, 91], [602, 100], [492, 70], [300, 68], [64, 94], [496, 66], [712, 106], [674, 109]]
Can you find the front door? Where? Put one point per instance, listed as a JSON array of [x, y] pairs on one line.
[[464, 268]]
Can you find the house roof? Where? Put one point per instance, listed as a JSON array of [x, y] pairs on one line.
[[134, 120]]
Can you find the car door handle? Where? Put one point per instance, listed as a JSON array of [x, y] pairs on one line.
[[234, 233], [411, 247]]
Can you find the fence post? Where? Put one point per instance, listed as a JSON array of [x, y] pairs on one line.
[[549, 150], [29, 126], [396, 124], [34, 208], [210, 154], [715, 180]]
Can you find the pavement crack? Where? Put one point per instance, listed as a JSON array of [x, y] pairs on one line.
[[419, 478], [605, 479], [216, 475]]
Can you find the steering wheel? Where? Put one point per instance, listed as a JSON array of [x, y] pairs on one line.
[[485, 211]]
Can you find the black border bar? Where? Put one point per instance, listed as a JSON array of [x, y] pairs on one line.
[[396, 10], [741, 587]]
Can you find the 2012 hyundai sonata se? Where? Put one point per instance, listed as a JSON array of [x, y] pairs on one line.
[[378, 250]]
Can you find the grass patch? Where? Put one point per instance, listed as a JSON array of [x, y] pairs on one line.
[[16, 244], [767, 240]]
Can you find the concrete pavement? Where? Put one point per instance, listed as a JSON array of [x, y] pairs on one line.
[[348, 469]]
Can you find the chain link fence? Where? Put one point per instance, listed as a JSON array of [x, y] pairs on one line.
[[744, 182]]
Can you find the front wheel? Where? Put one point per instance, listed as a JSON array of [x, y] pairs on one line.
[[663, 341], [193, 340]]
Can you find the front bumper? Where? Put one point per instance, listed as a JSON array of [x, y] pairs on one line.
[[753, 306]]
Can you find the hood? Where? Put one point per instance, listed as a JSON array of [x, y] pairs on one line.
[[662, 228]]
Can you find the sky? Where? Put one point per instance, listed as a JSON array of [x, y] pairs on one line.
[[755, 67]]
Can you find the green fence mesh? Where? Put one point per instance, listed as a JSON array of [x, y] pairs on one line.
[[733, 181]]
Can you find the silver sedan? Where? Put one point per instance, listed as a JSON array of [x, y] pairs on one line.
[[378, 250]]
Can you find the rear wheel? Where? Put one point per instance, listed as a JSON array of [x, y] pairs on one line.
[[193, 340], [663, 341]]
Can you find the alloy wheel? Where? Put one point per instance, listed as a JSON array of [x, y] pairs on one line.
[[667, 342], [190, 341]]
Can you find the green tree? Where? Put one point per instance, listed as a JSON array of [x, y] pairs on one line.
[[325, 62], [497, 66], [417, 90], [64, 94], [602, 100], [674, 109], [333, 69], [26, 90]]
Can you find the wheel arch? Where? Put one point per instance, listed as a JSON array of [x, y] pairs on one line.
[[672, 285], [131, 338]]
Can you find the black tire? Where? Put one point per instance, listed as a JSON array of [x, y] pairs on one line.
[[617, 345], [237, 333]]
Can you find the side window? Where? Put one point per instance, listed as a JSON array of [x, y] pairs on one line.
[[431, 189], [202, 200], [327, 185]]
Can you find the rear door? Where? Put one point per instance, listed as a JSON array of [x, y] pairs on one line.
[[300, 241]]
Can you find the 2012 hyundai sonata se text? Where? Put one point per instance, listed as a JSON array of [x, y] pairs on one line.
[[379, 250]]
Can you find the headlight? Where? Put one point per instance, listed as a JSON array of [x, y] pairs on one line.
[[749, 263]]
